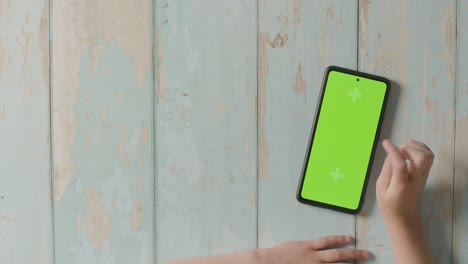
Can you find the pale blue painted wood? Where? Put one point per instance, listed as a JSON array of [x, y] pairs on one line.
[[102, 106], [413, 44], [206, 127], [297, 41], [460, 230], [25, 201]]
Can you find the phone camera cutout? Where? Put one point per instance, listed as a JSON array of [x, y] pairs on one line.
[[357, 80]]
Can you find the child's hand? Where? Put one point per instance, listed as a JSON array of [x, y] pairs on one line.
[[311, 252], [400, 185]]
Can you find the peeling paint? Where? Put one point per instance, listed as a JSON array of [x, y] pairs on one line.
[[283, 19], [144, 137], [433, 108], [297, 12], [449, 29], [79, 223], [363, 25], [160, 68], [6, 218], [121, 148], [97, 219], [140, 184], [324, 48], [44, 43], [330, 13], [280, 40], [128, 24], [137, 216], [28, 39], [300, 85], [362, 231]]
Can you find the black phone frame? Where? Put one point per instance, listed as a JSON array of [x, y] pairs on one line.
[[312, 134]]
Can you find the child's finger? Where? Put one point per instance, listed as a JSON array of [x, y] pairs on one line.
[[342, 254], [385, 175], [399, 169], [420, 144], [329, 241]]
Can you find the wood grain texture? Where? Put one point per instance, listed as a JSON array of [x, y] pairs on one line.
[[460, 229], [297, 41], [102, 103], [206, 127], [25, 203], [413, 44]]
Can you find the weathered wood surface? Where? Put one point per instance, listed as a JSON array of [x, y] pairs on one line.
[[102, 123], [25, 196], [297, 40], [164, 129], [413, 44], [206, 127]]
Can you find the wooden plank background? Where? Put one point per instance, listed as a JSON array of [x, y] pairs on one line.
[[205, 127], [297, 41], [142, 131], [25, 194], [413, 44]]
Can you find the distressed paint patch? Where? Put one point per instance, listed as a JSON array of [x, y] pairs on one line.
[[144, 137], [160, 68], [97, 219], [362, 230], [28, 41], [79, 223], [129, 24], [140, 184], [44, 43], [449, 30], [363, 25], [300, 85], [280, 40], [63, 168], [122, 140], [433, 108], [297, 12], [137, 216], [6, 218], [283, 19]]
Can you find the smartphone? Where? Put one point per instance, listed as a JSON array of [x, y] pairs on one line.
[[343, 139]]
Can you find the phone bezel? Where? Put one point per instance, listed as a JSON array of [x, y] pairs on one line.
[[312, 134]]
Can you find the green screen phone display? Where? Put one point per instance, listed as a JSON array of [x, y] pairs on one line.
[[343, 139]]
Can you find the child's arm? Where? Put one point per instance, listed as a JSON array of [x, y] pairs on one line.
[[399, 190], [298, 252]]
